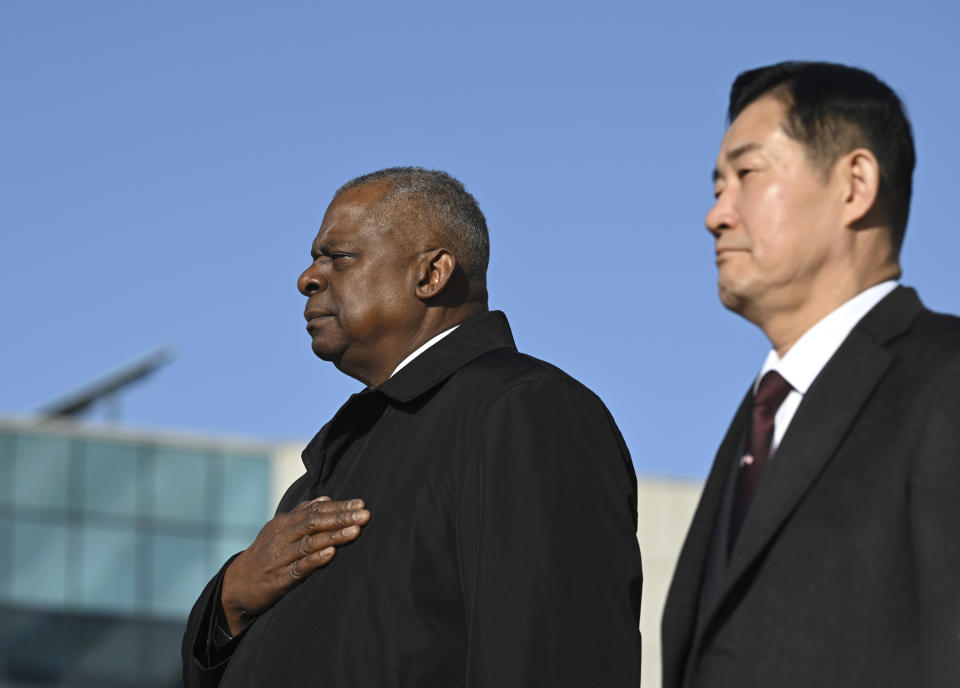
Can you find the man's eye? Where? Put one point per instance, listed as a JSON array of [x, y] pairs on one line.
[[744, 172], [340, 260]]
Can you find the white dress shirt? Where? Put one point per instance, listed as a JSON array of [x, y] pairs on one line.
[[805, 359], [426, 345]]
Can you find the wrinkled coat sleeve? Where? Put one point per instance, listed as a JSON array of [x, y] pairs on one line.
[[203, 660], [551, 564]]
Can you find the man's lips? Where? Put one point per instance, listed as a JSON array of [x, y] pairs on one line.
[[315, 318], [727, 250]]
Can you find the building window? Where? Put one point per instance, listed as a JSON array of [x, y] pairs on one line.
[[111, 538]]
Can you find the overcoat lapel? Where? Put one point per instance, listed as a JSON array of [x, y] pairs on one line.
[[823, 419]]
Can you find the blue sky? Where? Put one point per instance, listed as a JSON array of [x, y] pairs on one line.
[[164, 167]]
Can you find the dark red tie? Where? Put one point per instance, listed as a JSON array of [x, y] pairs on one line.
[[772, 391]]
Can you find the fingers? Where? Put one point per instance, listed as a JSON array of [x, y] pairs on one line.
[[315, 550], [326, 504], [333, 538], [316, 526], [312, 543], [315, 520], [301, 568]]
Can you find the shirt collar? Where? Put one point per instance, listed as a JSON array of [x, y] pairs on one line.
[[805, 359], [423, 347], [473, 338]]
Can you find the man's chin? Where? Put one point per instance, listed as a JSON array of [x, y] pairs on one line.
[[324, 351], [731, 298]]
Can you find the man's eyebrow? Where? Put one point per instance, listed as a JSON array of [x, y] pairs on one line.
[[742, 150], [734, 154], [327, 245]]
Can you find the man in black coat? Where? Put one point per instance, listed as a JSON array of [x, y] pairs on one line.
[[825, 548], [499, 548]]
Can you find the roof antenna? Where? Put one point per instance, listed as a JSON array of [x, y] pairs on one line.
[[107, 387]]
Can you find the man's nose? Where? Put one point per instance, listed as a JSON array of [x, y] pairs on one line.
[[721, 216], [311, 280]]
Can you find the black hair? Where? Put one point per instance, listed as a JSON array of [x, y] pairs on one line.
[[833, 109]]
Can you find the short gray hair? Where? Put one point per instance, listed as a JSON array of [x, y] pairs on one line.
[[440, 201]]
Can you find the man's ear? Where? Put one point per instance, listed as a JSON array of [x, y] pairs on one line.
[[861, 184], [435, 268]]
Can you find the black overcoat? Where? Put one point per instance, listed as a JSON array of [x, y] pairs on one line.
[[502, 546]]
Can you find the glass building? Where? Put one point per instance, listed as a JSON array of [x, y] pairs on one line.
[[106, 539]]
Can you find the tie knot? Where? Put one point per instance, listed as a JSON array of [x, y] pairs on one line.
[[772, 391]]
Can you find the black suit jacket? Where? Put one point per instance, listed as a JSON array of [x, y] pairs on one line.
[[501, 550], [847, 570]]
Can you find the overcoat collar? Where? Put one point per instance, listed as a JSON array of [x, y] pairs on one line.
[[828, 410], [474, 337]]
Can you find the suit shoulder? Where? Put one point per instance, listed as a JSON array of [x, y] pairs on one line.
[[939, 324], [934, 338], [927, 353]]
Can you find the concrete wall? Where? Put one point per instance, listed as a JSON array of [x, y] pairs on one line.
[[287, 467], [665, 508]]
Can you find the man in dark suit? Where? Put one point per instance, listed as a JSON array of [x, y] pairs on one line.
[[825, 548], [499, 548]]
